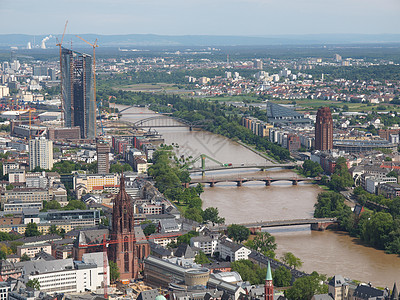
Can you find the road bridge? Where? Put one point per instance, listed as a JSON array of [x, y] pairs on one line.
[[261, 166], [240, 180], [315, 223]]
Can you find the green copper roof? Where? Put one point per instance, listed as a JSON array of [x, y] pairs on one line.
[[269, 273]]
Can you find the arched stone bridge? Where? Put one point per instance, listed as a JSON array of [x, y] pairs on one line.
[[315, 223], [240, 180]]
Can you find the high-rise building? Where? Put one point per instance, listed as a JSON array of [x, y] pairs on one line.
[[338, 58], [258, 64], [40, 153], [324, 129], [79, 107], [103, 164], [130, 246]]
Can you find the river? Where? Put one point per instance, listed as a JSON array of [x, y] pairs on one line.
[[326, 252]]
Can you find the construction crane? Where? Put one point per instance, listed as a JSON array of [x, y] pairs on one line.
[[61, 77], [94, 45], [106, 243]]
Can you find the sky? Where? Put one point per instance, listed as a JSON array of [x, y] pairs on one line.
[[200, 17]]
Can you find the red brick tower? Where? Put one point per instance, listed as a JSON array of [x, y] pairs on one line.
[[324, 129], [269, 286], [124, 252]]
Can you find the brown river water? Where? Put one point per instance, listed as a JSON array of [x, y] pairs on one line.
[[326, 252]]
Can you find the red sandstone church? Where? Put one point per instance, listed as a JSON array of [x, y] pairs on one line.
[[127, 244]]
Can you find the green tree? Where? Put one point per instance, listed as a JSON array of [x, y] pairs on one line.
[[114, 272], [53, 229], [119, 168], [341, 178], [304, 288], [291, 260], [311, 168], [75, 204], [264, 242], [25, 257], [52, 204], [32, 230], [249, 271], [9, 187], [238, 232], [185, 238], [62, 232], [195, 214], [150, 229], [211, 214], [376, 230], [282, 277], [33, 283], [201, 258], [14, 245], [105, 221]]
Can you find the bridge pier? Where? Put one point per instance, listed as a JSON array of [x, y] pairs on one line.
[[186, 185], [190, 128], [212, 184], [267, 182], [294, 182], [254, 230], [321, 226], [239, 183]]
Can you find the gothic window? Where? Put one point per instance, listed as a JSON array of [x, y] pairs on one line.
[[126, 262], [143, 251], [126, 244]]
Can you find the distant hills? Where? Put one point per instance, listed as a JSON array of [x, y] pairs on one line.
[[148, 40]]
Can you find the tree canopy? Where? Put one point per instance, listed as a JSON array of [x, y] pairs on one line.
[[32, 230], [238, 232]]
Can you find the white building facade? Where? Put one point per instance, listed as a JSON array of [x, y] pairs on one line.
[[40, 153]]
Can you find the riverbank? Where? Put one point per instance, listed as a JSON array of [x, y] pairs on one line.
[[252, 148], [325, 252]]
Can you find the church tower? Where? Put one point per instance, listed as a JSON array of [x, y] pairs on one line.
[[124, 251], [269, 286]]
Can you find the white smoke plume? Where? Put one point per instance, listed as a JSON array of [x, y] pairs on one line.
[[43, 44]]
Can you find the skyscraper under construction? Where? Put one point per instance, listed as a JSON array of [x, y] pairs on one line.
[[79, 107]]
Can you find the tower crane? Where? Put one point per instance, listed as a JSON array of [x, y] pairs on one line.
[[61, 77], [94, 45]]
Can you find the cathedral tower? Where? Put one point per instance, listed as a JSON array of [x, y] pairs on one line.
[[124, 251]]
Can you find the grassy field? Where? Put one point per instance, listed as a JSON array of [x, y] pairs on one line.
[[313, 104], [241, 98], [153, 88]]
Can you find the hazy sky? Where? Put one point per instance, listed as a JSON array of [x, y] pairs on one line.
[[217, 17]]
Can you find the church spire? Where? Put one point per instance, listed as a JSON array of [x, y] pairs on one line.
[[395, 293], [269, 273], [269, 286]]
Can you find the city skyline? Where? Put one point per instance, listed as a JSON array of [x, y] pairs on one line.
[[178, 17]]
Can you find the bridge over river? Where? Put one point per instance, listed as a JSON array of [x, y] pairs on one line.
[[316, 224], [261, 166], [240, 180]]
